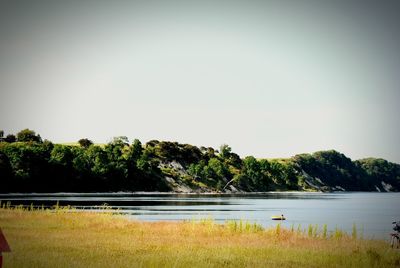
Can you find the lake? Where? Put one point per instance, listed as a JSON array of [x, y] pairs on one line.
[[373, 213]]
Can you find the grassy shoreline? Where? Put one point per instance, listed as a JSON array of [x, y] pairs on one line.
[[61, 238]]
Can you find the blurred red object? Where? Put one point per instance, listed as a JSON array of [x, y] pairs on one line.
[[4, 247]]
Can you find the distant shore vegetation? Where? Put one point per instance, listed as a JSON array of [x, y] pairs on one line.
[[30, 164]]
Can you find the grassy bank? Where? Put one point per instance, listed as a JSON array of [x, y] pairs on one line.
[[44, 238]]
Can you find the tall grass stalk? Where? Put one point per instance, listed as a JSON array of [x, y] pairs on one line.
[[299, 229], [338, 234], [310, 230], [361, 236], [316, 230], [324, 231], [278, 229], [243, 226], [354, 231]]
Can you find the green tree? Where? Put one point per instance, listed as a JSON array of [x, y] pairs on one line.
[[10, 138], [234, 160], [30, 164], [168, 150], [61, 155], [143, 164], [85, 143], [121, 140], [218, 168], [62, 172], [190, 154], [117, 153], [197, 170], [27, 135], [277, 172], [99, 162], [252, 170], [136, 149], [81, 165], [208, 153], [229, 157], [264, 165], [290, 176], [134, 154], [6, 182], [225, 151]]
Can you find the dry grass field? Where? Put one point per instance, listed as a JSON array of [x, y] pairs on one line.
[[61, 238]]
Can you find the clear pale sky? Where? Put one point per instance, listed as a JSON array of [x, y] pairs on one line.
[[269, 78]]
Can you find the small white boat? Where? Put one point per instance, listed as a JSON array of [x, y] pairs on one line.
[[278, 218]]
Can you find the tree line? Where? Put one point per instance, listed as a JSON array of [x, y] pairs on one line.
[[30, 164]]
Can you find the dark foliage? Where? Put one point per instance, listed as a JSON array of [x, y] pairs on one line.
[[10, 138], [31, 165], [27, 135], [85, 143]]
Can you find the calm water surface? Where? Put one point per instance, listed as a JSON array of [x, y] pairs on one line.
[[372, 213]]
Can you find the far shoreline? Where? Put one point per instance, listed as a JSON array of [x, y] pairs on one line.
[[138, 193]]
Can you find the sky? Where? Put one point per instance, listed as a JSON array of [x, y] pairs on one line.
[[269, 78]]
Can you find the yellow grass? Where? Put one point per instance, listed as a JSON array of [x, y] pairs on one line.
[[77, 144], [60, 238]]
